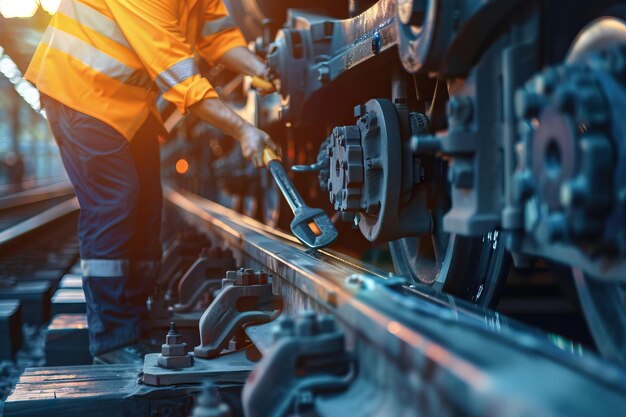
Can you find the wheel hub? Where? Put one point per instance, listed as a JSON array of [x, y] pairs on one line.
[[374, 178]]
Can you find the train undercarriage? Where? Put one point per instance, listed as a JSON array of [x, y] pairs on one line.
[[469, 138]]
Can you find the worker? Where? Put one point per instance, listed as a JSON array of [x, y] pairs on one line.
[[100, 67]]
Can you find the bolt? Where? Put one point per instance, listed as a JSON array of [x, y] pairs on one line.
[[365, 120], [284, 327], [306, 325], [376, 43], [210, 404], [420, 124], [374, 163], [323, 74], [331, 298], [355, 281], [173, 335], [262, 278], [359, 110], [231, 277], [325, 324], [174, 351]]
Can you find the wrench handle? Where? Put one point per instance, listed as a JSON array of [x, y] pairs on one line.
[[293, 197]]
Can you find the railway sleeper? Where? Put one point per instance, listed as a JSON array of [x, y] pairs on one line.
[[10, 328], [67, 341]]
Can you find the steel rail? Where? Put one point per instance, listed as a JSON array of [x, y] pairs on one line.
[[16, 232], [417, 338], [34, 195]]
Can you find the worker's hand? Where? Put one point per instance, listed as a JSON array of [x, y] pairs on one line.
[[263, 82], [253, 141], [246, 62]]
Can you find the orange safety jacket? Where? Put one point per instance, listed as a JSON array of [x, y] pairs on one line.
[[110, 58]]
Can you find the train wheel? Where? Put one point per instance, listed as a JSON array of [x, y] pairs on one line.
[[604, 306], [471, 268], [603, 303]]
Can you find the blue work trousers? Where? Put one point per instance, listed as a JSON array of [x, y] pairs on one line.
[[118, 186]]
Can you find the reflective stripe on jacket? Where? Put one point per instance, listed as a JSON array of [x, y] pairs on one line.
[[110, 58]]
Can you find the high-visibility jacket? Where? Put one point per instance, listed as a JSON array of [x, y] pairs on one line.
[[110, 58]]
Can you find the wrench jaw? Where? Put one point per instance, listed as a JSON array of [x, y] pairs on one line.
[[313, 227]]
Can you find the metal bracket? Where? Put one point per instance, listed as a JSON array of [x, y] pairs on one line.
[[179, 254], [246, 297], [200, 279], [308, 358]]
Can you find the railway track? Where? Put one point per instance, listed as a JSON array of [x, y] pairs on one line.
[[38, 245], [472, 153], [390, 346], [433, 353]]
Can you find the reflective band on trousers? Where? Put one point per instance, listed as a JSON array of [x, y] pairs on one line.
[[94, 58], [176, 74], [104, 268], [217, 26], [93, 19]]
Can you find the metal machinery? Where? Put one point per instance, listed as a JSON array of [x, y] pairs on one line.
[[470, 135]]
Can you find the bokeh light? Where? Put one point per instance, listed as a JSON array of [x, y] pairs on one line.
[[18, 8], [182, 166], [50, 6], [26, 8]]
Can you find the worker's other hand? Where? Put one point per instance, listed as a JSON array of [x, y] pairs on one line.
[[253, 141], [263, 84]]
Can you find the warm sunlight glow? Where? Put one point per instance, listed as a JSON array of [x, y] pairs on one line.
[[18, 8], [182, 166], [50, 6]]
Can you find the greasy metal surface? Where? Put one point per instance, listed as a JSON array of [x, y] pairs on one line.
[[313, 50], [364, 36], [469, 351]]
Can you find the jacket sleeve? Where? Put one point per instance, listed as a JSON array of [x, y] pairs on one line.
[[219, 33], [151, 28]]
